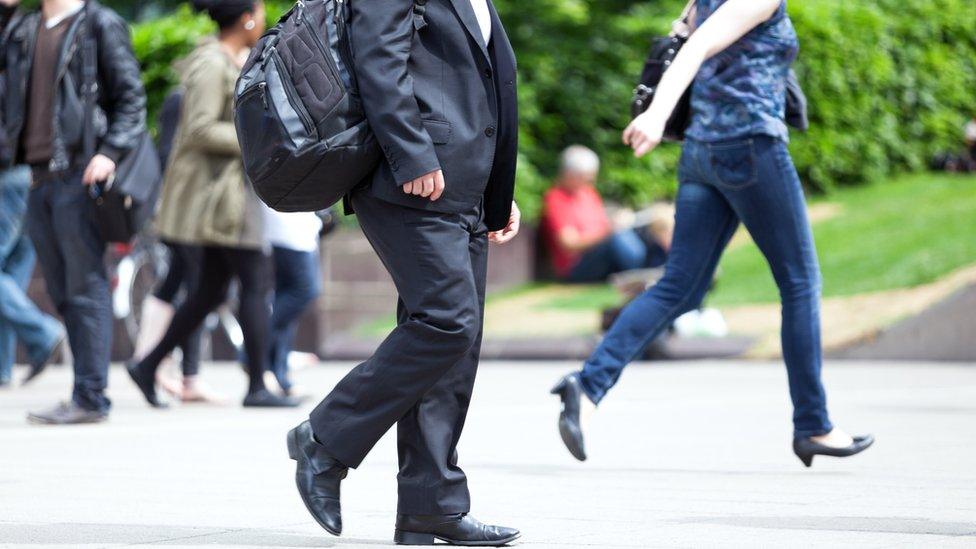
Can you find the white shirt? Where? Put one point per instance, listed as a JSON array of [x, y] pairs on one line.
[[293, 231], [57, 19], [484, 18]]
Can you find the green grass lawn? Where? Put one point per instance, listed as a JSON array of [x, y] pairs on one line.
[[897, 234], [902, 233]]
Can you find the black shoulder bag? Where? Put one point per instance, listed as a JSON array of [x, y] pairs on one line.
[[663, 51], [125, 202]]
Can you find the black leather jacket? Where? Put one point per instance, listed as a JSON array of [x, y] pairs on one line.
[[120, 116]]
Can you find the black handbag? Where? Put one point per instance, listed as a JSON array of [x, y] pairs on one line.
[[123, 204], [796, 104], [663, 52]]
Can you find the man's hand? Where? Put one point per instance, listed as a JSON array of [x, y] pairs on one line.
[[430, 185], [100, 169], [511, 230], [643, 134]]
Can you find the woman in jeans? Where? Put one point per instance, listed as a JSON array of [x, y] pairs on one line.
[[207, 202], [735, 167]]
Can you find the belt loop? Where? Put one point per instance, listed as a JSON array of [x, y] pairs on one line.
[[419, 14]]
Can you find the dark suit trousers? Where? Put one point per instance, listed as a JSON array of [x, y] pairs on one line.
[[422, 375]]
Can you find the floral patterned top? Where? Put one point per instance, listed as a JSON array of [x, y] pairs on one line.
[[742, 90]]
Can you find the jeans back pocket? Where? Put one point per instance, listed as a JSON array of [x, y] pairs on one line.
[[733, 163]]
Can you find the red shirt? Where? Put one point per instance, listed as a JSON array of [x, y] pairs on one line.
[[581, 209]]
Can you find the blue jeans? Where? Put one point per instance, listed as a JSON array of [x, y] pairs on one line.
[[19, 316], [71, 253], [298, 282], [621, 251], [753, 181]]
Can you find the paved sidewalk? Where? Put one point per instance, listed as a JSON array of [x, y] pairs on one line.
[[682, 455]]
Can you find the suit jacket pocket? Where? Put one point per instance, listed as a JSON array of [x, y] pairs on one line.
[[439, 131]]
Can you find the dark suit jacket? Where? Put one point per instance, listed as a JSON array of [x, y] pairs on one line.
[[436, 97]]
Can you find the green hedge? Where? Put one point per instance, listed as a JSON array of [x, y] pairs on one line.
[[889, 82]]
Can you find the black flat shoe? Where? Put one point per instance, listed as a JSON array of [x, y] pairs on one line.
[[457, 529], [37, 368], [318, 477], [805, 448], [266, 399], [570, 393], [146, 382]]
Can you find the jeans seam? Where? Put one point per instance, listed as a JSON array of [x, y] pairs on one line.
[[801, 233]]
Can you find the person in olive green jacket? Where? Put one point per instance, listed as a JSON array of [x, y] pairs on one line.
[[207, 202]]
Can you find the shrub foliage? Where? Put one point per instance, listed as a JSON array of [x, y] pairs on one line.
[[889, 82]]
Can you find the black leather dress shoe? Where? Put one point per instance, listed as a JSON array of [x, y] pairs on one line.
[[570, 393], [318, 477], [457, 529], [806, 448], [266, 399], [146, 382]]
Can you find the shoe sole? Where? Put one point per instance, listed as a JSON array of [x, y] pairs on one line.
[[401, 537], [569, 441], [564, 432], [41, 421], [293, 453]]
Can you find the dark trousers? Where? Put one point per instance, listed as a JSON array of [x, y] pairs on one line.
[[218, 266], [71, 254], [297, 284], [621, 251], [181, 281], [422, 375]]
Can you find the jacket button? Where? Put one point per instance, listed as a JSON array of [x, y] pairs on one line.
[[488, 74], [490, 131]]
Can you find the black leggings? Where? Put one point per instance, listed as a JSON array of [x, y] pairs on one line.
[[182, 278], [218, 266]]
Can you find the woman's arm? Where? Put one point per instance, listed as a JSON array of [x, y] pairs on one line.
[[730, 22]]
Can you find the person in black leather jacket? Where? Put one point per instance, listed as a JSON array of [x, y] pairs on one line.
[[121, 112], [43, 118], [9, 10]]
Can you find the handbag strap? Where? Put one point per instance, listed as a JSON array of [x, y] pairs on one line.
[[680, 26]]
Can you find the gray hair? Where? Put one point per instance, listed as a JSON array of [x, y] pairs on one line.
[[579, 159]]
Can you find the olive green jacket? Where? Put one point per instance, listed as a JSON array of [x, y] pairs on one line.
[[205, 199]]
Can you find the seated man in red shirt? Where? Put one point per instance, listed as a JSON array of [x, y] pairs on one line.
[[582, 242]]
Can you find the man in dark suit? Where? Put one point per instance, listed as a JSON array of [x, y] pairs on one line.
[[437, 81]]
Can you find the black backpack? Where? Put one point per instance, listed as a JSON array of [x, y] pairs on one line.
[[304, 137]]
